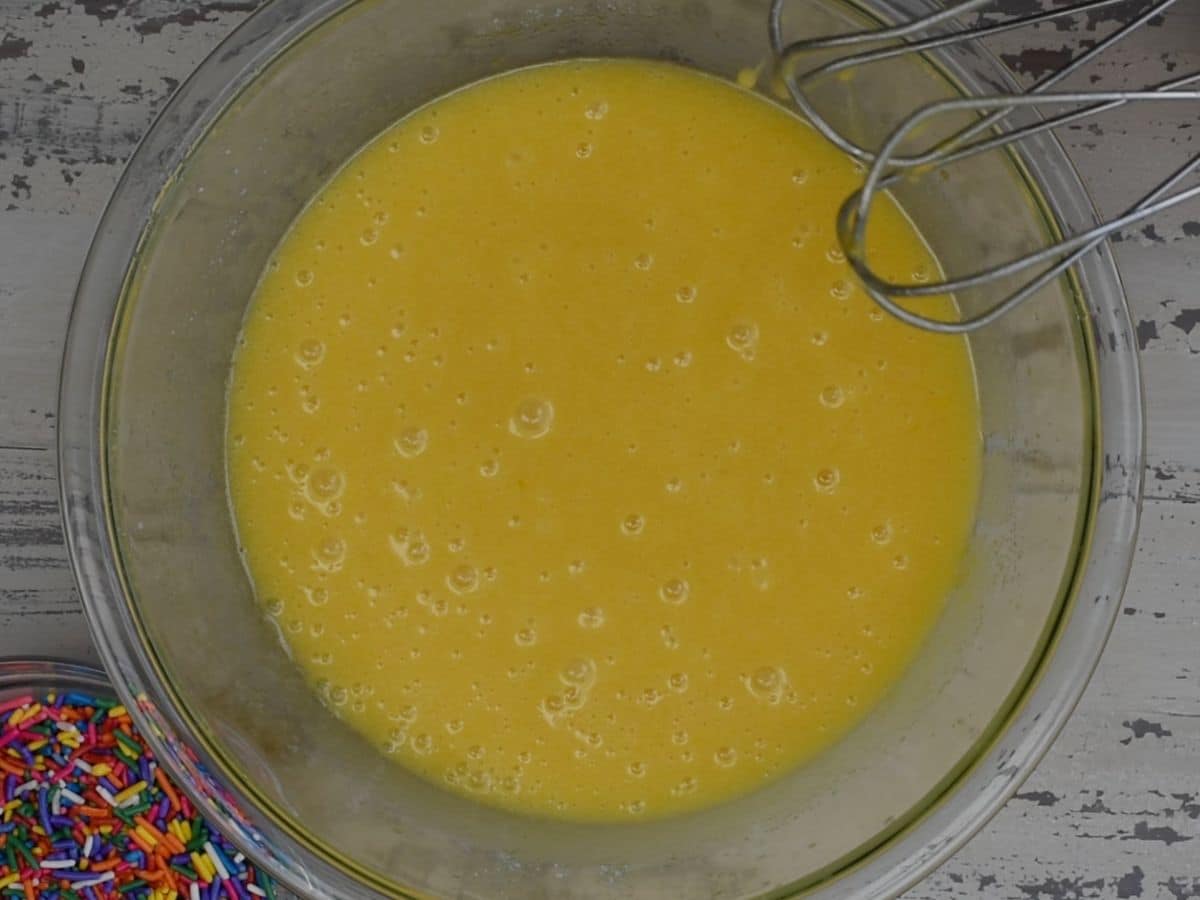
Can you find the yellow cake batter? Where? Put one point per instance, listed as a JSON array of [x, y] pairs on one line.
[[578, 472]]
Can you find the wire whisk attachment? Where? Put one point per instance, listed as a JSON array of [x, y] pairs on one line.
[[988, 129]]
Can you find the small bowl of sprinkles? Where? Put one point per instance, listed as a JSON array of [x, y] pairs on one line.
[[87, 813]]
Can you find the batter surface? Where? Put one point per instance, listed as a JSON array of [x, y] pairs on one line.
[[575, 467]]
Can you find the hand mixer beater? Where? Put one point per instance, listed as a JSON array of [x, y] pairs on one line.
[[938, 135]]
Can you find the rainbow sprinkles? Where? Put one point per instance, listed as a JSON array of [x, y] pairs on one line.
[[88, 814]]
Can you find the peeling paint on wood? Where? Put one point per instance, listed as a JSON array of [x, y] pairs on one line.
[[1112, 812]]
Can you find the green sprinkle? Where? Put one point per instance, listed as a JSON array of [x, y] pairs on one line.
[[265, 883], [128, 743], [131, 886], [23, 849], [138, 809], [185, 871]]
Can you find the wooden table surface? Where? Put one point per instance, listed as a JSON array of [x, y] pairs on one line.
[[1112, 812]]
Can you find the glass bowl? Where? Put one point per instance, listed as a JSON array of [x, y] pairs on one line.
[[236, 154], [42, 675]]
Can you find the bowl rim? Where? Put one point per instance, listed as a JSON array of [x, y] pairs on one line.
[[44, 674], [886, 868]]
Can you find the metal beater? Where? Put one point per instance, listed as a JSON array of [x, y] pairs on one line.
[[887, 166]]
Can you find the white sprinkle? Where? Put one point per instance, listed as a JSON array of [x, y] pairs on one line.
[[56, 805], [87, 845], [25, 788], [194, 892], [106, 794], [239, 858], [72, 796], [131, 801], [83, 767], [98, 880], [255, 890], [59, 863], [216, 860]]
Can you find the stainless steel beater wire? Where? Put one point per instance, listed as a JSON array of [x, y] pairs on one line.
[[795, 85], [1019, 134], [875, 176], [986, 318], [854, 213]]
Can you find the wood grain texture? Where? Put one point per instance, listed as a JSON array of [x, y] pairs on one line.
[[1112, 812]]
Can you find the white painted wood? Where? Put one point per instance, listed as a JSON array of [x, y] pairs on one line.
[[1113, 811]]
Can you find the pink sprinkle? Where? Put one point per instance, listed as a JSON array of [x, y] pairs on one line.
[[14, 703]]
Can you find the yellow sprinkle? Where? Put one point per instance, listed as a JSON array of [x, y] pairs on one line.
[[186, 827], [101, 769], [146, 836], [37, 745], [9, 879], [199, 864], [116, 712], [129, 793]]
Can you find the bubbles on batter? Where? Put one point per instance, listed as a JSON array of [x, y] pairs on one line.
[[633, 525], [583, 149], [831, 396], [725, 757], [685, 786], [643, 262], [532, 419], [596, 111], [310, 353], [304, 277], [686, 294], [463, 579], [674, 591], [316, 597], [826, 480], [489, 468], [429, 134], [577, 678], [411, 442], [422, 744], [882, 533], [411, 547], [591, 617], [742, 339], [526, 637], [841, 290], [329, 555], [767, 684], [668, 637]]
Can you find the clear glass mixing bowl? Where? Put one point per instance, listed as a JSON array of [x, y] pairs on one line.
[[236, 154]]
